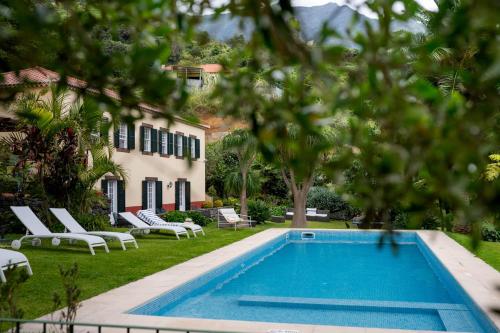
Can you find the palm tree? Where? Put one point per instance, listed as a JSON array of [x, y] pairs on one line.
[[56, 140], [244, 145]]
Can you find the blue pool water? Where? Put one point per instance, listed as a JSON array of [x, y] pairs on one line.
[[337, 278]]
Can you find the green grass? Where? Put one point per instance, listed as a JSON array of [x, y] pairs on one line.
[[103, 271], [487, 251]]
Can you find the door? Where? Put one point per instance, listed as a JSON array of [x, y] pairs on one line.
[[112, 192], [182, 195]]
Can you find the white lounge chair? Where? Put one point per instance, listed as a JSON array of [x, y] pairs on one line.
[[39, 230], [152, 219], [10, 258], [141, 226], [73, 226], [227, 217]]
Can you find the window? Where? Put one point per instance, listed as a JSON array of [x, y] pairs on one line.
[[164, 142], [122, 135], [147, 139], [150, 195], [193, 147], [179, 145]]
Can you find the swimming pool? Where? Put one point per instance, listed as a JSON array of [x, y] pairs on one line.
[[329, 278]]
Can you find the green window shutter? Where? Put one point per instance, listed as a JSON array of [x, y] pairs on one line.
[[159, 196], [141, 138], [176, 145], [170, 144], [104, 186], [131, 136], [185, 148], [160, 142], [116, 137], [177, 195], [104, 129], [121, 195], [144, 194], [154, 140], [197, 148], [187, 186]]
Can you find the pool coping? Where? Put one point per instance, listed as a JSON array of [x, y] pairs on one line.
[[476, 277]]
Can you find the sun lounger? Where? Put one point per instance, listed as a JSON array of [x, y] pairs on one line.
[[227, 217], [38, 230], [152, 219], [141, 226], [73, 226], [10, 258]]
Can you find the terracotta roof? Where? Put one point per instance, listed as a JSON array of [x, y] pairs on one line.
[[40, 76], [212, 68], [208, 68]]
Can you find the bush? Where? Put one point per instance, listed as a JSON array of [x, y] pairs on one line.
[[174, 216], [199, 218], [178, 216], [231, 201], [430, 222], [489, 233], [93, 222], [258, 210], [218, 203], [207, 204], [400, 220], [8, 184], [325, 199], [278, 210]]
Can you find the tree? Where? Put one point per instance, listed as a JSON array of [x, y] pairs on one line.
[[56, 140], [243, 144], [300, 180]]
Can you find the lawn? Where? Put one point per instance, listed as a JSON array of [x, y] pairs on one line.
[[103, 271], [487, 251], [156, 252]]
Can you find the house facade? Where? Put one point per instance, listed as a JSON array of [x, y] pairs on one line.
[[164, 163]]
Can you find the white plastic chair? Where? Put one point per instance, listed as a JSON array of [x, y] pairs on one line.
[[73, 226], [38, 230]]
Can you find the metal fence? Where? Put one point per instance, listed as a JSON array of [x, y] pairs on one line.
[[52, 326]]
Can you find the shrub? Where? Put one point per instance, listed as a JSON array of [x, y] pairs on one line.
[[231, 201], [324, 199], [178, 216], [174, 216], [93, 222], [278, 210], [489, 233], [258, 210], [207, 204], [198, 218], [8, 184], [400, 220], [218, 203], [430, 222]]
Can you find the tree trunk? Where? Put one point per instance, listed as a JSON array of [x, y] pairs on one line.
[[243, 194], [299, 208]]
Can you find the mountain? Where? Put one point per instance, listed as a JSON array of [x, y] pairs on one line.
[[311, 21]]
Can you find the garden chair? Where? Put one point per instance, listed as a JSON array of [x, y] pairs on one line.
[[227, 217], [141, 226], [10, 258], [152, 219], [73, 226], [38, 230]]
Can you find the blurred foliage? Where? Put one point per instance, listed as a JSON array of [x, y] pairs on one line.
[[422, 107]]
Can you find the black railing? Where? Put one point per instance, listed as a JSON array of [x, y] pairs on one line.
[[52, 326]]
